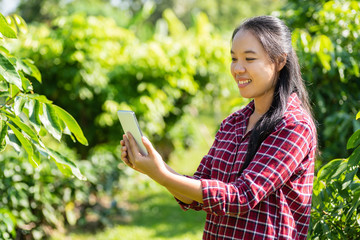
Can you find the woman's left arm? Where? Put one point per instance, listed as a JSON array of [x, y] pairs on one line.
[[184, 188]]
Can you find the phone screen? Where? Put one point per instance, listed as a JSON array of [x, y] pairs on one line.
[[130, 124]]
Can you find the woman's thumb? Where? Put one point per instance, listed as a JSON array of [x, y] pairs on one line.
[[147, 145]]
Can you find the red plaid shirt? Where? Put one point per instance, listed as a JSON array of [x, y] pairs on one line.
[[271, 199]]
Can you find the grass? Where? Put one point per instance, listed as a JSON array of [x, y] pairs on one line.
[[153, 213]]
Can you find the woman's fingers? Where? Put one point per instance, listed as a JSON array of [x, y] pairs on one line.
[[149, 147], [133, 145], [130, 152], [124, 156]]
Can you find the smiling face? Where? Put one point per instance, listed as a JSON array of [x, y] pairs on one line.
[[252, 68]]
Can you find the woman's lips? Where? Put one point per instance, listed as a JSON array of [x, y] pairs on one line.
[[243, 83]]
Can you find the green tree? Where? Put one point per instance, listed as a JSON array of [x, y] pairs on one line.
[[26, 118], [335, 210], [104, 69], [326, 39], [223, 14], [164, 79], [325, 36]]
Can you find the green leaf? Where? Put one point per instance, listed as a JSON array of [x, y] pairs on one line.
[[5, 29], [8, 71], [355, 67], [40, 98], [8, 214], [358, 116], [339, 170], [26, 84], [14, 91], [36, 156], [176, 27], [19, 103], [70, 213], [34, 112], [60, 159], [349, 178], [50, 214], [41, 148], [13, 141], [71, 124], [4, 50], [24, 128], [355, 203], [323, 46], [326, 230], [2, 135], [20, 23], [8, 223], [330, 168], [354, 140], [50, 121], [354, 158], [26, 145], [4, 86], [30, 69], [355, 186]]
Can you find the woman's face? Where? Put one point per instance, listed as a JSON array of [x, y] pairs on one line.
[[251, 67]]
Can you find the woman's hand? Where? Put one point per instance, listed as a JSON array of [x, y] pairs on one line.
[[151, 164], [183, 188]]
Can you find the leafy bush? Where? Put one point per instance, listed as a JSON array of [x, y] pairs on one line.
[[25, 117], [96, 67], [103, 68], [27, 120], [326, 39], [37, 200], [336, 208]]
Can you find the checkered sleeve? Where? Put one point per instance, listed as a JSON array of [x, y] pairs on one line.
[[275, 161], [203, 172]]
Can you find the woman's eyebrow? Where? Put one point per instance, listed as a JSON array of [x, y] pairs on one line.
[[250, 51], [247, 51]]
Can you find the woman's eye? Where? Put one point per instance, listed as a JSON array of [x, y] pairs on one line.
[[250, 59], [233, 59]]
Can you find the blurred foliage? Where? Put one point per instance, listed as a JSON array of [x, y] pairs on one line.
[[96, 59], [34, 201], [326, 39], [325, 36], [335, 210], [27, 120], [223, 14], [26, 117], [103, 68]]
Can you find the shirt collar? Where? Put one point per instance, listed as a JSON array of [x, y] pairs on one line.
[[246, 111], [293, 103]]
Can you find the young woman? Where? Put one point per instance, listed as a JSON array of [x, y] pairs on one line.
[[256, 181]]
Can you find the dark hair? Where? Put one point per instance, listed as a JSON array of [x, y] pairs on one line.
[[275, 38]]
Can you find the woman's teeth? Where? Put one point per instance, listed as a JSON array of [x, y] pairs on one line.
[[244, 81]]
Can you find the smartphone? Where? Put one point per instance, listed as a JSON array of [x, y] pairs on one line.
[[130, 124]]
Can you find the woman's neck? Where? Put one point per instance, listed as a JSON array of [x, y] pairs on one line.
[[262, 104]]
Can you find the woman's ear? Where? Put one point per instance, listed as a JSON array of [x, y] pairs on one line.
[[281, 61]]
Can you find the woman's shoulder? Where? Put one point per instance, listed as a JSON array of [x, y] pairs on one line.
[[240, 115], [295, 114]]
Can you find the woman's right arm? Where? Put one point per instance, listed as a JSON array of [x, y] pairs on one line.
[[177, 195]]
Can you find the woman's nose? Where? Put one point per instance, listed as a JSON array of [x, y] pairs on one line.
[[239, 68]]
